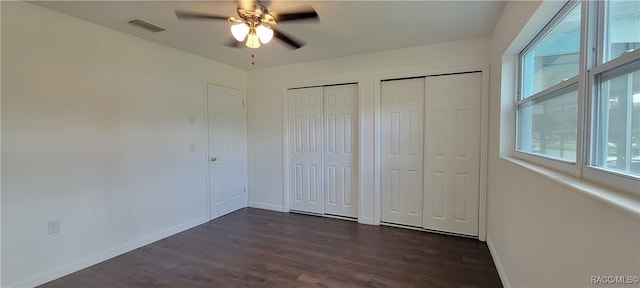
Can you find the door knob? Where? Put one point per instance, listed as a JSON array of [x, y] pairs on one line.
[[213, 158]]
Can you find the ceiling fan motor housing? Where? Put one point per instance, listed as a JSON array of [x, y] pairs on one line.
[[255, 14]]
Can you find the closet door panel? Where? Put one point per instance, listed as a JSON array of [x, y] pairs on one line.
[[402, 151], [452, 144], [341, 150], [305, 149]]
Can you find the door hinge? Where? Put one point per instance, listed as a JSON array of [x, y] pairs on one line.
[[245, 190]]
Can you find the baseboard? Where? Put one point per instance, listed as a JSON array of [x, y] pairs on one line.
[[96, 258], [499, 267], [266, 206]]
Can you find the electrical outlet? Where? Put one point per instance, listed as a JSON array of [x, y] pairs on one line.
[[54, 227]]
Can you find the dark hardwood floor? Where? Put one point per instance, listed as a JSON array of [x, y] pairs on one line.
[[253, 247]]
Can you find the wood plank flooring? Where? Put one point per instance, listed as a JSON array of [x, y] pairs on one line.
[[260, 248]]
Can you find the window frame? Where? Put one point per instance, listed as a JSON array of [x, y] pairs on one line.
[[570, 167], [611, 178], [592, 63]]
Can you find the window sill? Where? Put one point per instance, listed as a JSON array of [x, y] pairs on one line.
[[618, 199]]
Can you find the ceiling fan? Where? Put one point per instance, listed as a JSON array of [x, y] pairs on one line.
[[255, 24]]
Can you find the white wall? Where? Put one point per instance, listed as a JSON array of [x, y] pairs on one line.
[[0, 150], [96, 129], [265, 107], [543, 233]]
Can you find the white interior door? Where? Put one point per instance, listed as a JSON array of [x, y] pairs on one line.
[[452, 171], [227, 150], [305, 146], [402, 151], [341, 150]]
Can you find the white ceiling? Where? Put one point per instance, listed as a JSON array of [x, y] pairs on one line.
[[345, 27]]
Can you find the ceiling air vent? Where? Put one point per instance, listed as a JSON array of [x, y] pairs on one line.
[[146, 25]]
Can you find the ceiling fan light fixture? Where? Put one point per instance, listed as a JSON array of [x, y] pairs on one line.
[[264, 33], [254, 24], [253, 41], [240, 31]]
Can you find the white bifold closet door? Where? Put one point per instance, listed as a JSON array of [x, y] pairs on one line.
[[431, 152], [305, 146], [340, 150], [452, 164], [402, 151], [323, 150]]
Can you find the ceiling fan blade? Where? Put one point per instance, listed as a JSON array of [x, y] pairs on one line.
[[309, 14], [287, 39], [233, 43], [185, 15]]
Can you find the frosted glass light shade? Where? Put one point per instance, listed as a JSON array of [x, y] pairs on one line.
[[253, 41], [264, 33], [239, 31]]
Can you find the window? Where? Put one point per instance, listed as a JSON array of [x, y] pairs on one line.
[[548, 125], [580, 115], [554, 55], [548, 102], [616, 120], [621, 28]]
